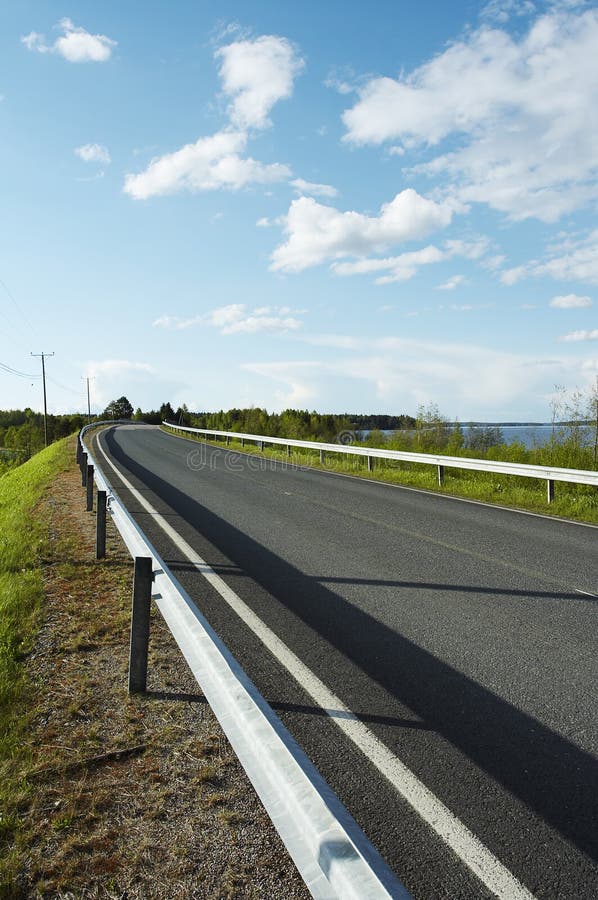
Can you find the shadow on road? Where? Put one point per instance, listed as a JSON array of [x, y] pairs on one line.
[[555, 778]]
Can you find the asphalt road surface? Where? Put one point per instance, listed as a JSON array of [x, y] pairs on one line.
[[463, 638]]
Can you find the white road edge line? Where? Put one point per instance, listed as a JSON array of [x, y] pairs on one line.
[[586, 593], [470, 850], [331, 852]]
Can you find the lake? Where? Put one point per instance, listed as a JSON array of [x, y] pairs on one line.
[[528, 435]]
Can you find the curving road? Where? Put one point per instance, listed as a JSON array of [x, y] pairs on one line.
[[460, 641]]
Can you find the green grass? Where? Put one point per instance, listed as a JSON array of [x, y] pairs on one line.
[[572, 501], [23, 542]]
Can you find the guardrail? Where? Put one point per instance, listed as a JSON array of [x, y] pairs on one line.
[[550, 474], [332, 854]]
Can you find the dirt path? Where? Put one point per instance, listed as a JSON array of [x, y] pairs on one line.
[[133, 797]]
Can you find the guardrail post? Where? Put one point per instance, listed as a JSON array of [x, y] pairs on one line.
[[321, 456], [140, 624], [242, 442], [440, 475], [550, 490], [370, 463], [84, 470], [288, 449], [78, 451], [101, 525], [89, 482], [261, 445], [227, 440]]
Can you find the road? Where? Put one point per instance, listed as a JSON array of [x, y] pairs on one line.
[[463, 638]]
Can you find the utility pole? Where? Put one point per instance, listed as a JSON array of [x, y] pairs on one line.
[[43, 356], [87, 379]]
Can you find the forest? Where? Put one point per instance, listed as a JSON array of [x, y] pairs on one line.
[[22, 433]]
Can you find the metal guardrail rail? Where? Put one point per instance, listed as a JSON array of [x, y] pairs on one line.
[[550, 474], [332, 854]]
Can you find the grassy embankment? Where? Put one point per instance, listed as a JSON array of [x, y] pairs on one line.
[[572, 501], [105, 794], [23, 539]]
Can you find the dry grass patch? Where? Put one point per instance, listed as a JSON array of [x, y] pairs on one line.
[[119, 796]]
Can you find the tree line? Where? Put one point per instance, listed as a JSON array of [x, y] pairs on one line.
[[22, 433], [574, 441], [298, 424]]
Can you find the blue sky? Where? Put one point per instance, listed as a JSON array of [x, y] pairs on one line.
[[345, 207]]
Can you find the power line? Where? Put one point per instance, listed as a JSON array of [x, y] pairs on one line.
[[64, 387], [11, 371], [17, 306], [20, 333]]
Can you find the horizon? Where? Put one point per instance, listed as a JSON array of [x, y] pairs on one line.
[[205, 412]]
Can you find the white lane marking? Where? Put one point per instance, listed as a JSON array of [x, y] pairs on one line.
[[447, 826], [585, 593]]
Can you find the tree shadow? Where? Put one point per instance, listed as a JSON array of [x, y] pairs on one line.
[[224, 570]]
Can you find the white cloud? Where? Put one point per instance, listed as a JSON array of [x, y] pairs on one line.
[[237, 319], [575, 336], [406, 265], [264, 222], [209, 164], [512, 276], [95, 177], [451, 283], [473, 249], [256, 74], [175, 322], [571, 259], [318, 233], [397, 374], [93, 153], [574, 261], [35, 41], [521, 114], [492, 263], [76, 45], [255, 324], [112, 378], [570, 301], [400, 268], [116, 367], [501, 10], [309, 187], [140, 382], [342, 85]]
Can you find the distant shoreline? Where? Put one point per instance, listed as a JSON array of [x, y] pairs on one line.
[[511, 424], [523, 424]]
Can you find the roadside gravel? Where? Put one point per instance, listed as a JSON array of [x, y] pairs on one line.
[[128, 796]]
